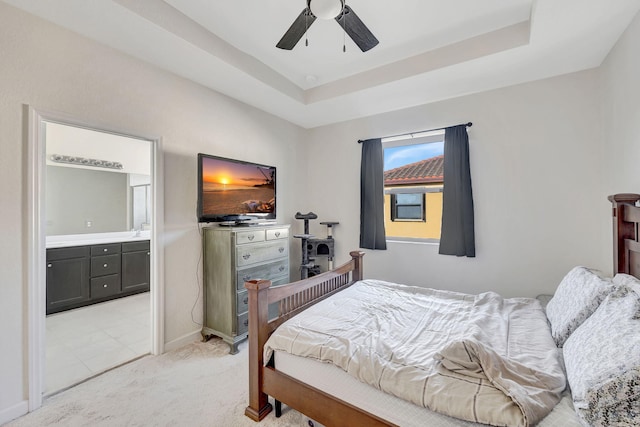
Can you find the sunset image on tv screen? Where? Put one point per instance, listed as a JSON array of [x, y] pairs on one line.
[[236, 188]]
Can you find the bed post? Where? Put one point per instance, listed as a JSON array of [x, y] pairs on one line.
[[622, 230], [259, 405], [357, 274]]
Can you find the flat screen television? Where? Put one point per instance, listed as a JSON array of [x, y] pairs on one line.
[[235, 191]]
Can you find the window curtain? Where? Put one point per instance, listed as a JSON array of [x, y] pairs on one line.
[[457, 233], [372, 234]]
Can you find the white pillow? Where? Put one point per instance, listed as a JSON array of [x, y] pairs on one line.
[[602, 359], [622, 279], [578, 295]]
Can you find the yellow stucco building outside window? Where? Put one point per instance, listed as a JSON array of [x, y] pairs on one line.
[[416, 229]]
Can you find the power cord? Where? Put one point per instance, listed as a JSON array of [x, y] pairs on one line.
[[197, 282]]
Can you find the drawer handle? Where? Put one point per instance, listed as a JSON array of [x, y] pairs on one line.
[[105, 286], [105, 265], [148, 253], [277, 233], [49, 265], [246, 256], [281, 249], [105, 250], [246, 278], [281, 268], [246, 322], [245, 301], [250, 237]]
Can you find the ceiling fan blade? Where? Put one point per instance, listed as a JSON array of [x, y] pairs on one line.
[[356, 29], [297, 30]]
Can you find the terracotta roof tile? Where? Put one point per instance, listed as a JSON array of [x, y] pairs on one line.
[[426, 171]]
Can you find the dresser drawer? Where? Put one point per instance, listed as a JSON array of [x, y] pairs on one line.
[[242, 302], [280, 282], [242, 299], [274, 309], [252, 254], [103, 265], [253, 236], [111, 248], [277, 233], [243, 324], [105, 286], [263, 272]]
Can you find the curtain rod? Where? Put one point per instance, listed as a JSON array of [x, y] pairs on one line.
[[469, 124]]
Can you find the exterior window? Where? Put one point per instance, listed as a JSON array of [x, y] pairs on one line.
[[407, 207], [413, 182]]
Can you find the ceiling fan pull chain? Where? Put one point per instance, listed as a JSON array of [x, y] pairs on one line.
[[306, 30], [344, 27]]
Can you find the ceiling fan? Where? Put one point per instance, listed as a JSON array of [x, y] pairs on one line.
[[329, 9]]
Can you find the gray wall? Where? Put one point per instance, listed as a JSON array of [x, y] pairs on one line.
[[620, 105], [536, 166], [75, 196]]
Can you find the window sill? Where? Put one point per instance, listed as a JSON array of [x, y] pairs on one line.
[[411, 240]]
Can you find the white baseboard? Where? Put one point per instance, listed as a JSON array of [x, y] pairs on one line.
[[183, 340], [14, 412]]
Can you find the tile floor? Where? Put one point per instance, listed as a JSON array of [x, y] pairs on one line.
[[89, 340]]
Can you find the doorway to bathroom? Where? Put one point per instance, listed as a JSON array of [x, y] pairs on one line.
[[97, 216], [95, 280]]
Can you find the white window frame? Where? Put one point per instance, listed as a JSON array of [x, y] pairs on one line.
[[413, 139]]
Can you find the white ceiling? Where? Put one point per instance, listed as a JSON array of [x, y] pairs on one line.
[[429, 49]]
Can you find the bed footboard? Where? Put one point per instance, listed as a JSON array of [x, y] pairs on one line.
[[291, 299]]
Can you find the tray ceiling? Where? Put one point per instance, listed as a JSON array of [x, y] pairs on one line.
[[429, 50]]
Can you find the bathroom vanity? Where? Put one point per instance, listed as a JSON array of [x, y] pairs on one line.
[[90, 268]]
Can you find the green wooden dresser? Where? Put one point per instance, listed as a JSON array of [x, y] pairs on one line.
[[233, 255]]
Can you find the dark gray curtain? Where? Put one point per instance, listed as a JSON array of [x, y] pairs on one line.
[[372, 196], [457, 234]]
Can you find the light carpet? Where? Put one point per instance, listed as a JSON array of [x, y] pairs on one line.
[[200, 384]]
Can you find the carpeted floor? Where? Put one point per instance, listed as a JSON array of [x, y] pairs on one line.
[[197, 385]]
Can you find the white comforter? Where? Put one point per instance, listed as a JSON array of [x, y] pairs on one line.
[[477, 357]]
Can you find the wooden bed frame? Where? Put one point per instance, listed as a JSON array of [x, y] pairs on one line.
[[295, 297], [626, 243]]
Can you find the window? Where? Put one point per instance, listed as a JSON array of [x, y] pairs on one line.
[[413, 182], [407, 207]]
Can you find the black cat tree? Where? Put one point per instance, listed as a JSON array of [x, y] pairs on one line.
[[312, 247]]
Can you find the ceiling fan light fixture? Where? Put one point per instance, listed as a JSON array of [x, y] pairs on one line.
[[326, 9], [344, 15]]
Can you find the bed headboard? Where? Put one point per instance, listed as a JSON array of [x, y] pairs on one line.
[[626, 246]]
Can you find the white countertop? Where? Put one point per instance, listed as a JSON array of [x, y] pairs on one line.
[[96, 238]]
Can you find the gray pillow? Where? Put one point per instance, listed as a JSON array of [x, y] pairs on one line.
[[602, 359], [578, 295]]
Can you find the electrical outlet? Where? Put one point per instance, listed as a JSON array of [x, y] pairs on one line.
[[88, 224]]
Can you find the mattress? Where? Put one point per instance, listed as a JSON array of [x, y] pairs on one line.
[[336, 382], [482, 358]]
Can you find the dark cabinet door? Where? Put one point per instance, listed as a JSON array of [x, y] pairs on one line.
[[67, 283], [135, 271]]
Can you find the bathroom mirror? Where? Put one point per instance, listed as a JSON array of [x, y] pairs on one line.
[[96, 182]]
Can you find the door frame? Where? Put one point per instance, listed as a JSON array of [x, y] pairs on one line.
[[36, 241]]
